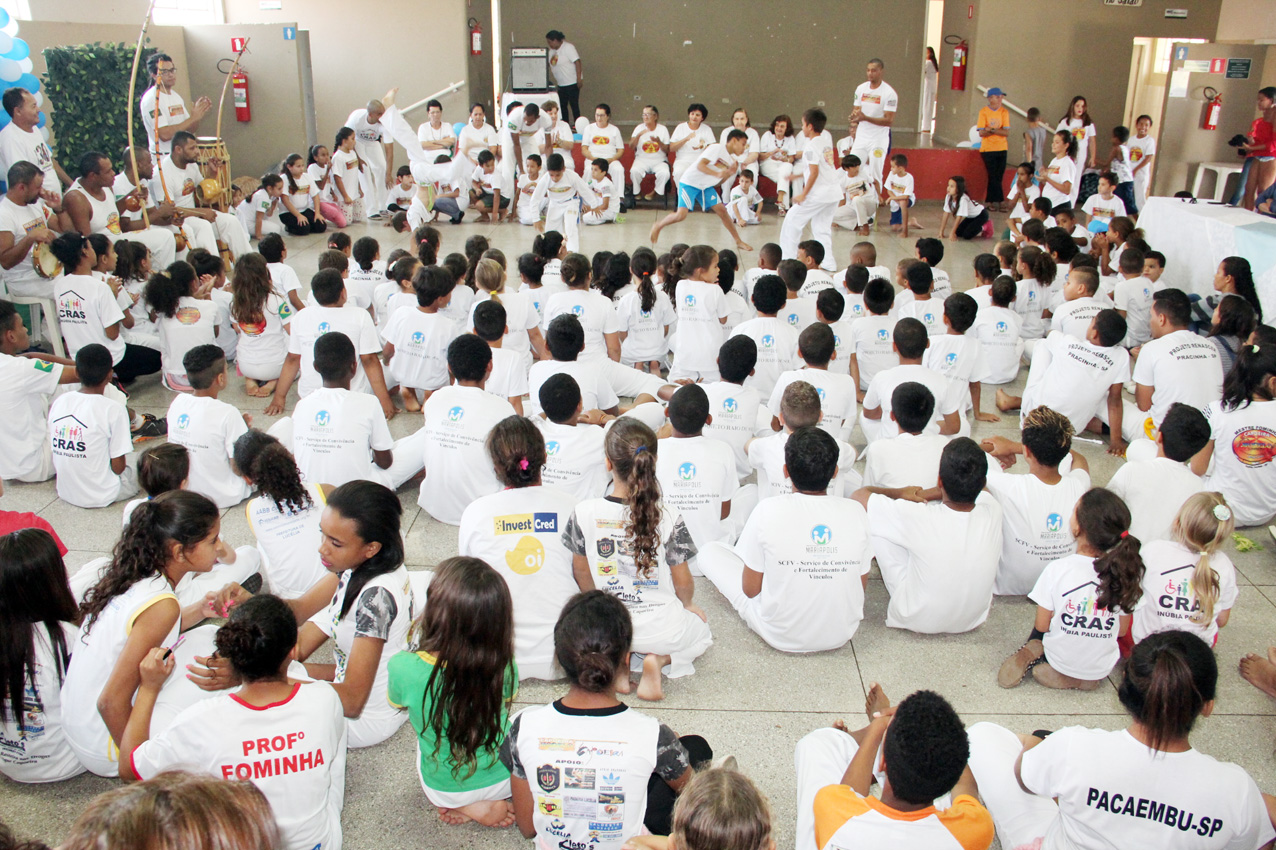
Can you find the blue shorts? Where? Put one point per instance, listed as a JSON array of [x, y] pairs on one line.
[[689, 196], [897, 216]]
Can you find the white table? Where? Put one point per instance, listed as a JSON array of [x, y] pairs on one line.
[[1221, 172], [1195, 237]]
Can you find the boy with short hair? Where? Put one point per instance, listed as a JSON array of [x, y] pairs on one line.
[[797, 312], [959, 356], [921, 306], [528, 212], [1153, 268], [924, 748], [565, 339], [1103, 206], [854, 278], [1176, 365], [608, 206], [416, 340], [1067, 219], [400, 195], [1037, 507], [775, 339], [930, 251], [821, 190], [937, 546], [565, 196], [997, 329], [769, 256], [800, 407], [208, 428], [871, 350], [1119, 163], [485, 189], [898, 190], [1154, 488], [816, 347], [458, 419], [865, 254], [736, 411], [811, 254], [698, 185], [913, 456], [745, 206], [859, 198], [798, 572], [1142, 153], [573, 449], [1080, 305], [830, 306], [331, 314], [90, 437], [509, 368], [1133, 298], [909, 343], [285, 281]]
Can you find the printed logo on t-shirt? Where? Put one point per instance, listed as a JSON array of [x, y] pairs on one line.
[[68, 437], [793, 319], [821, 535], [71, 307], [188, 187], [183, 422], [687, 471], [928, 318], [188, 315], [552, 447], [1054, 522], [1081, 614], [950, 358], [525, 523], [650, 146], [729, 405], [323, 419], [324, 327], [689, 300], [456, 414], [1177, 597], [1135, 154], [547, 777], [1255, 446], [883, 334], [578, 310], [768, 341], [1002, 327], [527, 556], [606, 548], [418, 338], [551, 806]]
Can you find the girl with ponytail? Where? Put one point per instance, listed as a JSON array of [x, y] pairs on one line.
[[1199, 600], [130, 611], [1084, 601], [592, 641], [1038, 272], [457, 684], [646, 315], [185, 315], [1098, 778], [1235, 277], [614, 278], [221, 735], [631, 545], [1242, 448], [551, 248], [702, 312]]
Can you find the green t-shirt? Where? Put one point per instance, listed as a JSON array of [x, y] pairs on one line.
[[409, 673]]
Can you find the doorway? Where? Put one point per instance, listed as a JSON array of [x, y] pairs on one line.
[[933, 38]]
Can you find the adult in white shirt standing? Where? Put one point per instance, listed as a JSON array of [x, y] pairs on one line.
[[875, 106], [22, 141], [822, 192], [650, 142], [164, 112], [437, 137], [377, 152], [565, 68]]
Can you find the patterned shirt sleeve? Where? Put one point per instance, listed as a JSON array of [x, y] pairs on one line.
[[573, 537], [509, 752], [672, 760], [679, 548], [374, 613]]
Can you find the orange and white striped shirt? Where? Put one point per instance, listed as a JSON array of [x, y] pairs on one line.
[[844, 820]]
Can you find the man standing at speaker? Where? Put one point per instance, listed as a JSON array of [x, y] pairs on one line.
[[564, 67]]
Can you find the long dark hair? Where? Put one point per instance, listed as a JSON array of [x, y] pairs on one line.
[[631, 447], [642, 265], [287, 175], [930, 57], [1073, 147], [615, 275], [273, 471], [250, 289], [960, 183], [1042, 265], [258, 637], [592, 639], [166, 289], [178, 516], [574, 271], [547, 245], [1237, 268], [342, 134], [1235, 318], [377, 516], [1248, 378], [33, 592], [517, 450], [468, 625], [598, 270], [1105, 521], [1167, 682], [474, 248], [1086, 121], [427, 244], [129, 256]]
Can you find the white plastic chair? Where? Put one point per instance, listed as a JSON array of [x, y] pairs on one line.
[[50, 309]]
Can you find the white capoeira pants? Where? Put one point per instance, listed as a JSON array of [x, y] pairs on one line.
[[224, 227], [158, 241], [820, 759], [409, 455], [672, 630], [873, 157], [819, 214], [564, 216], [856, 212], [372, 178], [779, 172], [1141, 181], [641, 168], [1020, 818]]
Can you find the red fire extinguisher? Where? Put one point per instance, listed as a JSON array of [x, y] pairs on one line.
[[960, 53], [239, 82], [1214, 110], [476, 37]]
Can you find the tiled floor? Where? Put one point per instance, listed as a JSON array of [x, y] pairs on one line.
[[744, 696]]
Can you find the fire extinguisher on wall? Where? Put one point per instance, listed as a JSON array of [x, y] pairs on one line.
[[239, 82], [961, 52], [1213, 110], [476, 37]]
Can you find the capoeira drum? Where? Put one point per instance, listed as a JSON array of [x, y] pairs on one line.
[[211, 147], [46, 265]]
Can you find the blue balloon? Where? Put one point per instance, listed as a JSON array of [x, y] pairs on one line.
[[4, 18], [30, 82], [19, 50], [41, 122]]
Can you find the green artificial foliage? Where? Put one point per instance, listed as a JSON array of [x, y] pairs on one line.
[[88, 86]]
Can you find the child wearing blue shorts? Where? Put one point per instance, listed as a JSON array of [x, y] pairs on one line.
[[699, 185]]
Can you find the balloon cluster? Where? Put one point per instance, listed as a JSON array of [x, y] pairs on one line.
[[15, 68]]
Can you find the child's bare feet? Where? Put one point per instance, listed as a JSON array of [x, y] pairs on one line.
[[1006, 402], [876, 702], [252, 388], [987, 417], [743, 246], [452, 817], [493, 813], [1260, 672], [410, 404], [649, 687], [483, 219], [624, 683]]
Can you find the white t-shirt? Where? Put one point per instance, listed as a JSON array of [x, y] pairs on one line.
[[738, 415], [948, 560], [263, 345], [427, 133], [284, 280], [696, 475], [172, 110], [1134, 296], [294, 751], [574, 458], [644, 329], [898, 185], [18, 145], [700, 307], [313, 322], [799, 313], [647, 143], [838, 404], [1154, 490], [1035, 529], [345, 167], [420, 343], [473, 141], [827, 187], [1244, 447], [1082, 640], [86, 308], [872, 338], [508, 378], [1171, 600], [714, 156], [260, 202], [997, 329], [307, 193], [365, 132], [596, 392], [929, 312], [880, 389], [192, 324], [777, 351], [208, 428], [87, 431], [960, 359], [1085, 134], [334, 434], [458, 469], [1141, 147], [322, 174], [38, 751], [16, 220], [874, 103], [1115, 792], [905, 461], [766, 455], [968, 208], [1072, 377], [25, 388], [520, 317], [289, 541], [812, 552], [1099, 208], [597, 317], [562, 64], [697, 140], [519, 532], [601, 142], [1060, 170], [1074, 317], [1183, 367]]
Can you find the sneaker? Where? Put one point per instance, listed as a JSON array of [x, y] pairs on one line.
[[986, 233], [377, 216], [1014, 668], [151, 428]]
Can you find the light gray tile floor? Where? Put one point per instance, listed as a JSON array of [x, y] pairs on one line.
[[746, 698]]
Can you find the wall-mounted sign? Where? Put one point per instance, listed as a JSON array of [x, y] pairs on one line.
[[1176, 13], [1238, 69]]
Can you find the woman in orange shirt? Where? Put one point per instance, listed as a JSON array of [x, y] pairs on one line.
[[994, 128]]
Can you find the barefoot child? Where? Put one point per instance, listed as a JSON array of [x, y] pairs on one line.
[[898, 189], [208, 428], [698, 185], [457, 681], [261, 317]]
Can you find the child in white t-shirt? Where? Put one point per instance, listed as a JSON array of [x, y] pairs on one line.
[[800, 407], [959, 356], [186, 317], [608, 206], [737, 411], [1239, 424], [912, 458], [776, 342], [399, 196], [871, 334], [838, 397], [797, 574], [282, 276], [1084, 601], [797, 312], [645, 316], [745, 206], [346, 193], [1080, 306], [509, 368], [1067, 219], [810, 253], [898, 189], [997, 329], [1154, 488], [1133, 298], [529, 212], [208, 428], [259, 317], [937, 544], [830, 309], [1174, 365], [909, 341], [1035, 505], [416, 340], [702, 311], [1103, 206], [860, 197], [634, 546], [922, 305], [259, 215], [573, 442], [931, 252]]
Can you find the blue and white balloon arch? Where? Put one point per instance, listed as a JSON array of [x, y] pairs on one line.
[[15, 68]]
